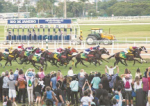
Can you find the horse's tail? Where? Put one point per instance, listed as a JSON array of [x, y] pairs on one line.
[[111, 56]]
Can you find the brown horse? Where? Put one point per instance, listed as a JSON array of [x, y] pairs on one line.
[[92, 57], [129, 57], [41, 61]]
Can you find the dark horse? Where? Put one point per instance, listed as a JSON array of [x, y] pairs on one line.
[[41, 61], [10, 57], [130, 57], [91, 57], [63, 58]]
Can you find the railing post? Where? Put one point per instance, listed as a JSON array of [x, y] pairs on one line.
[[10, 43]]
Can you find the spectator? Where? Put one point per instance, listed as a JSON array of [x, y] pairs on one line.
[[21, 76], [12, 91], [74, 85], [5, 86], [148, 103], [110, 69], [139, 91], [1, 84], [112, 78], [95, 81], [105, 82], [145, 87], [16, 74], [37, 90], [127, 86], [81, 82], [41, 73], [22, 89], [49, 96], [70, 72], [138, 73], [85, 100], [99, 91], [58, 93], [68, 81], [29, 87], [53, 81], [104, 99], [46, 80]]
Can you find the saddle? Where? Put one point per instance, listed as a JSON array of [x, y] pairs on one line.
[[63, 56], [123, 55], [36, 58], [83, 56], [5, 56], [90, 55], [26, 53]]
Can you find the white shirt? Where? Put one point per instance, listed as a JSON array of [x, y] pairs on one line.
[[85, 100], [136, 86], [130, 81], [70, 73], [111, 70]]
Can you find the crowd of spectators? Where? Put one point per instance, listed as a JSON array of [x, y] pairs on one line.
[[82, 89]]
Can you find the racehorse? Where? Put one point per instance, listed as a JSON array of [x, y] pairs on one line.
[[41, 61], [129, 57], [11, 57], [91, 57], [102, 51], [62, 58]]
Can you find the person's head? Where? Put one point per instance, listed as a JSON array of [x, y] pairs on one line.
[[126, 71], [97, 75], [57, 85], [105, 93], [48, 88], [17, 69], [33, 70], [138, 70], [11, 73], [20, 71], [9, 103], [111, 66], [119, 88], [86, 93], [70, 68], [100, 86], [3, 73], [114, 101], [103, 75], [37, 76], [10, 70], [54, 74], [82, 70], [6, 73], [58, 73], [137, 79], [36, 82], [89, 92]]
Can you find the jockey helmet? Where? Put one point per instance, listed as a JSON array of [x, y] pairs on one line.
[[69, 47], [11, 47], [91, 48], [42, 49]]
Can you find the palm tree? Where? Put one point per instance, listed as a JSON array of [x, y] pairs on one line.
[[83, 2]]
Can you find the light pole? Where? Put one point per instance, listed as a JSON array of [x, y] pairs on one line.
[[65, 10]]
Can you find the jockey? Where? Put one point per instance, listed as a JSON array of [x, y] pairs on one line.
[[29, 49], [97, 47], [9, 50], [69, 47], [87, 51], [131, 49], [20, 47], [38, 52], [59, 50]]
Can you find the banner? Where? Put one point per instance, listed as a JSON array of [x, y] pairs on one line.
[[39, 21], [23, 21], [54, 21]]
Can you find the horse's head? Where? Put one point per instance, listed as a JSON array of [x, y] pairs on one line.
[[104, 51], [73, 50], [143, 48]]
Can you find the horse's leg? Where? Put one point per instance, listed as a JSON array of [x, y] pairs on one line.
[[137, 61], [10, 63], [142, 60], [5, 63], [104, 60], [122, 62], [77, 63], [126, 62], [83, 63]]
